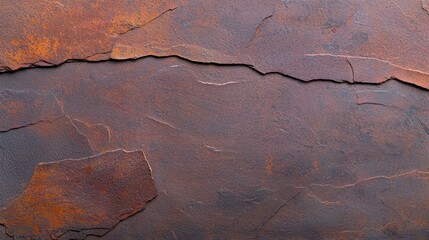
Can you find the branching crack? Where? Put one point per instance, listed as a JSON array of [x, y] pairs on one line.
[[81, 133], [106, 127]]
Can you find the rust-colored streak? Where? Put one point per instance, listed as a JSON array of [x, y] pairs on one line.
[[80, 195]]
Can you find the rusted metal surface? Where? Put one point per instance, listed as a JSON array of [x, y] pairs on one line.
[[23, 108], [43, 33], [260, 119], [318, 39], [263, 156], [70, 199], [34, 129], [22, 149]]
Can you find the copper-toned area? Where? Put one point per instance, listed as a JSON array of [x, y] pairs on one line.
[[276, 119], [74, 198], [317, 39], [22, 149], [33, 129], [43, 33], [98, 134]]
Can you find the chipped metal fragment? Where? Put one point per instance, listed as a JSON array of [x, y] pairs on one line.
[[79, 197]]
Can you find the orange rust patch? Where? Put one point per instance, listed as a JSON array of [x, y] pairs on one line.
[[95, 192], [269, 164]]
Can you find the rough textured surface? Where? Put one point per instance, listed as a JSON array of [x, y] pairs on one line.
[[33, 129], [23, 148], [255, 152], [317, 39], [99, 135], [23, 108], [70, 199], [44, 33], [278, 119]]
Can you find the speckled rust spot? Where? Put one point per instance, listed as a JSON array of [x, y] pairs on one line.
[[80, 195]]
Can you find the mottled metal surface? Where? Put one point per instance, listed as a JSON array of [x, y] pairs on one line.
[[263, 156], [43, 33], [317, 39], [70, 199], [259, 119], [22, 149], [24, 108]]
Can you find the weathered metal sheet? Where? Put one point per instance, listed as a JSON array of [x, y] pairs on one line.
[[259, 119], [263, 156], [317, 39]]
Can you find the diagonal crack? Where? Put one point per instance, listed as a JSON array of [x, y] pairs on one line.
[[424, 126], [257, 29], [425, 6], [275, 213], [148, 22], [30, 124]]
